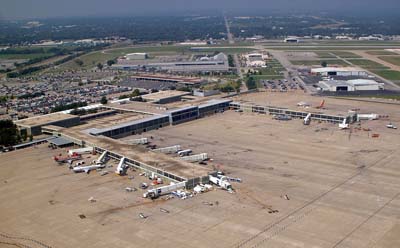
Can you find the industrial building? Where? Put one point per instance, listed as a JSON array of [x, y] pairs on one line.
[[217, 63], [292, 40], [33, 125], [136, 56], [350, 85], [255, 60], [204, 93], [338, 71]]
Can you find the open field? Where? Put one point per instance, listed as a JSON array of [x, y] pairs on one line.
[[388, 74], [343, 188], [318, 62], [381, 52], [345, 54], [395, 60], [367, 64], [24, 56]]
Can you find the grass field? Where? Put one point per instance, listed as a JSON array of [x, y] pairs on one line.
[[345, 54], [318, 62], [395, 60], [381, 52], [388, 74], [368, 64], [325, 54]]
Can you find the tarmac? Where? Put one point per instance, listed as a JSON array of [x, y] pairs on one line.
[[303, 186]]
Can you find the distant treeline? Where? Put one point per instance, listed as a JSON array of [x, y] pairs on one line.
[[29, 70], [149, 28]]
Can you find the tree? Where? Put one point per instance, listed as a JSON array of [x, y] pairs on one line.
[[135, 93], [110, 62], [104, 100], [78, 62], [8, 133], [30, 137], [24, 136], [100, 66], [324, 64], [251, 83]]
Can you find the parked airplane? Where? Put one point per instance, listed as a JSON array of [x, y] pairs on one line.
[[67, 159], [88, 168]]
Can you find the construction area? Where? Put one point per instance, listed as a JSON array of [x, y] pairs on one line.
[[321, 173]]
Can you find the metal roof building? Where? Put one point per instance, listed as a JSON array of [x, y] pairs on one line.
[[350, 85], [339, 71]]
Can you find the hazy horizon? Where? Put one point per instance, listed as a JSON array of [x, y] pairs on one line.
[[29, 9]]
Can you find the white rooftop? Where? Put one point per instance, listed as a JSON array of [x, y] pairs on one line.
[[331, 69]]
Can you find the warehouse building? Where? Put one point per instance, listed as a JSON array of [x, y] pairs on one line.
[[350, 85], [338, 71], [136, 56], [217, 63]]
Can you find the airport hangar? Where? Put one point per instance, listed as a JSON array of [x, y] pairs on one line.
[[338, 71], [350, 85]]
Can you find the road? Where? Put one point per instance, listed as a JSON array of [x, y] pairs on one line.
[[235, 56], [291, 72]]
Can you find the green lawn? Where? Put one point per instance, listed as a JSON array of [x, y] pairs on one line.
[[388, 74], [395, 60], [318, 62], [345, 54], [325, 55], [367, 64], [381, 52]]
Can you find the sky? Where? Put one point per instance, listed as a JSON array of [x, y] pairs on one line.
[[27, 9]]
